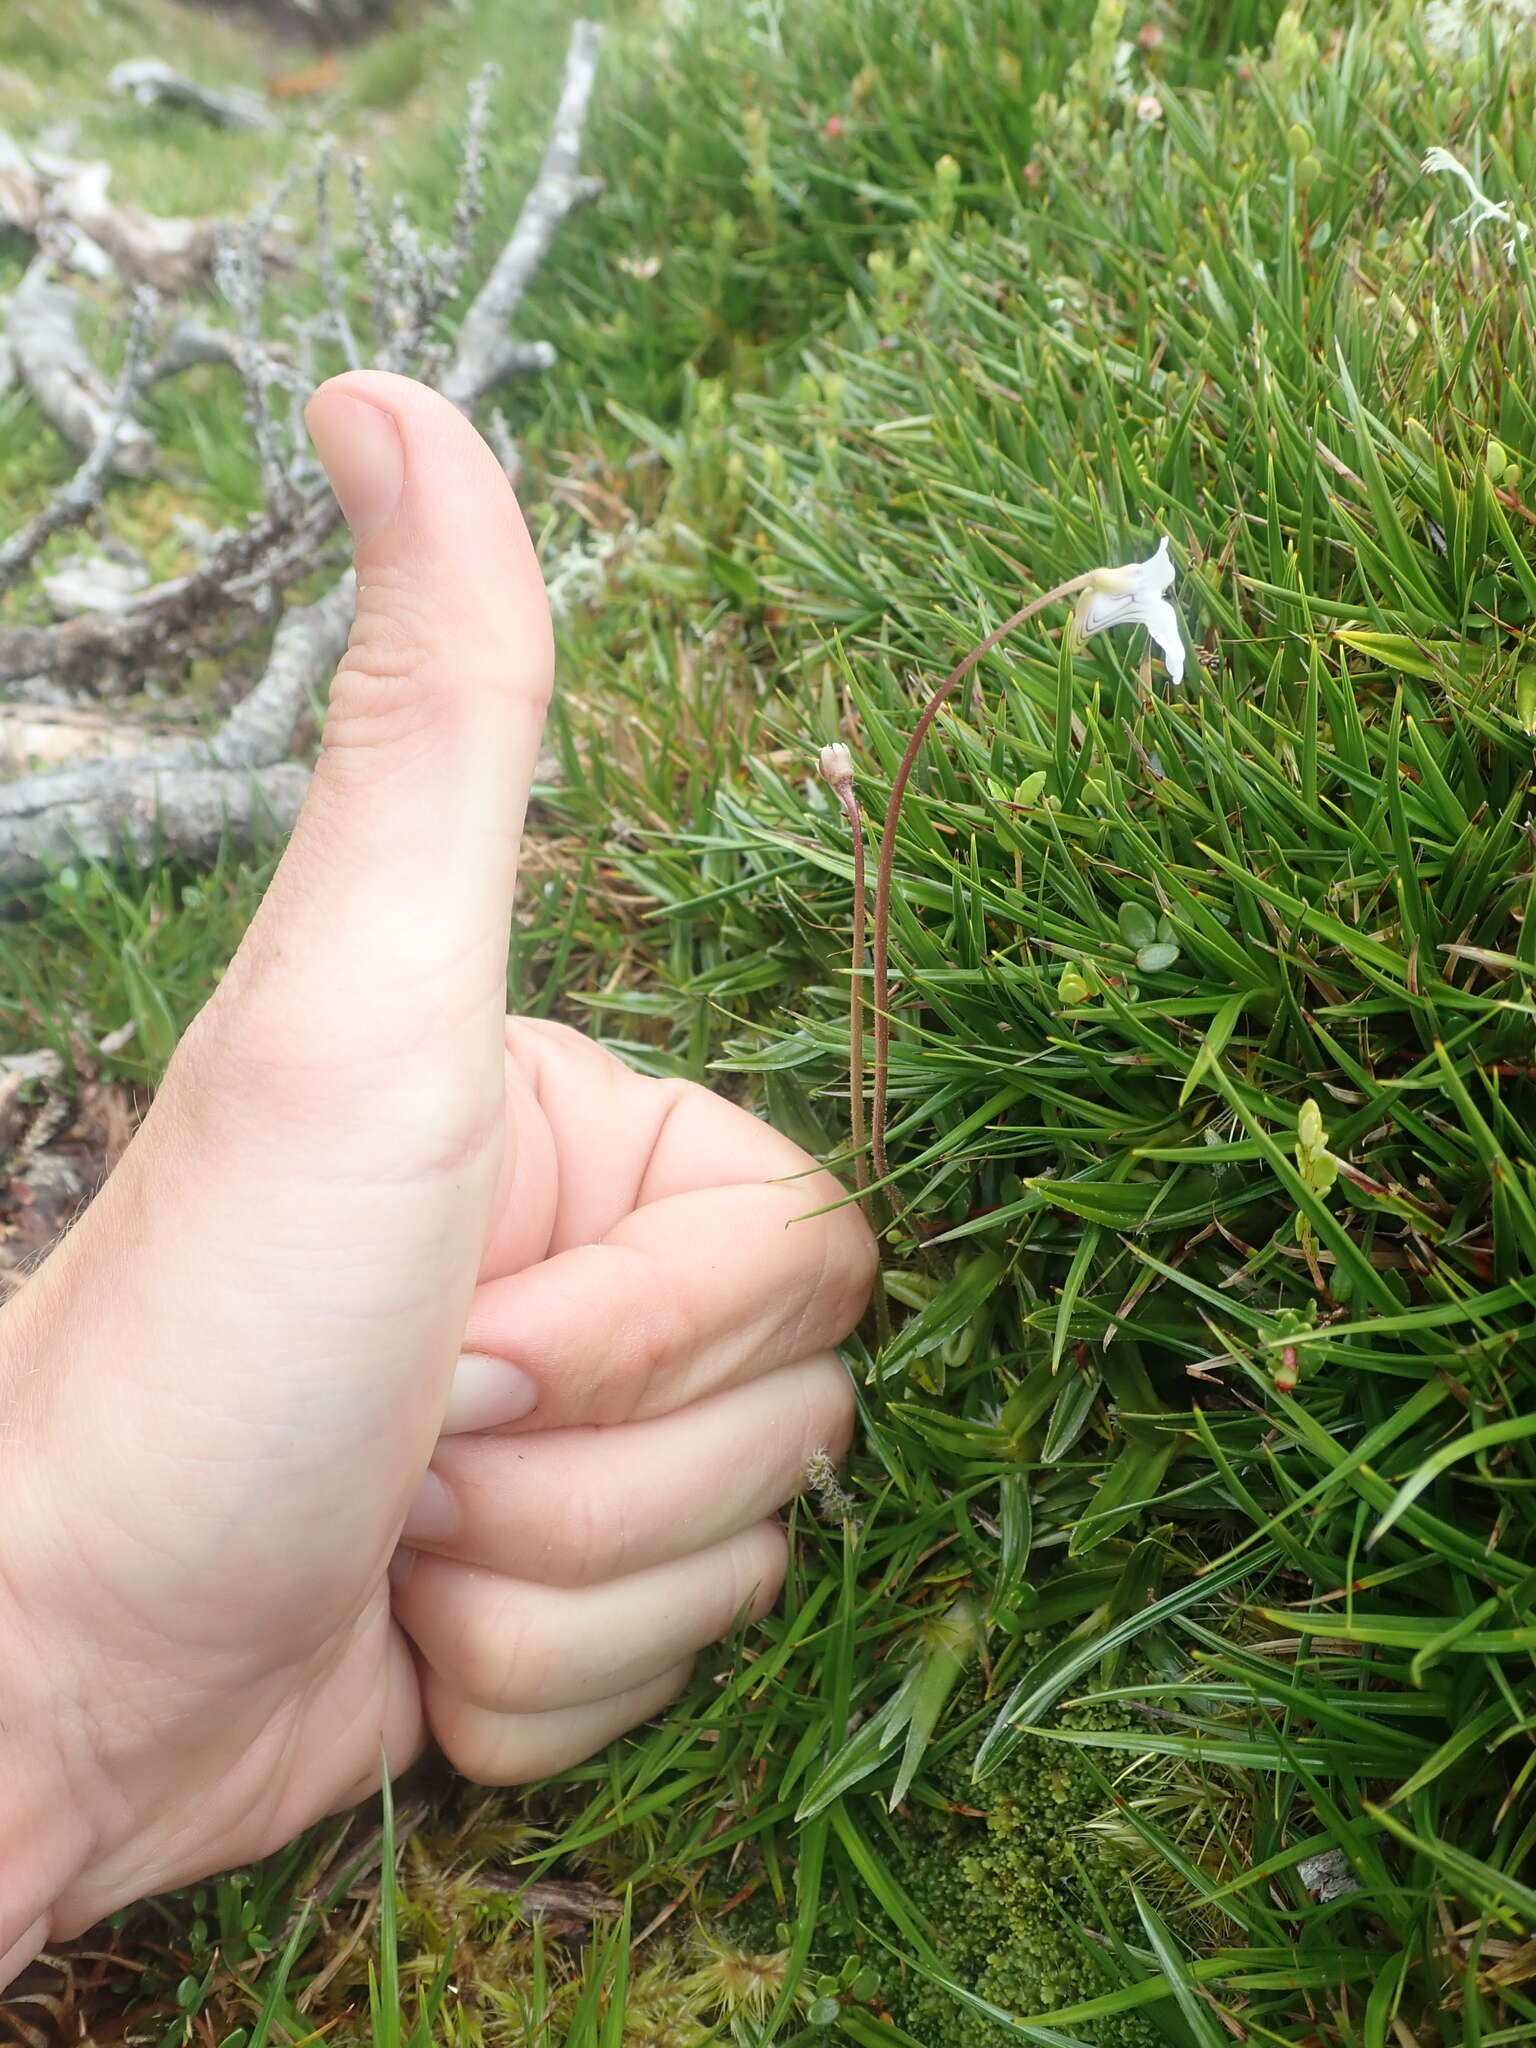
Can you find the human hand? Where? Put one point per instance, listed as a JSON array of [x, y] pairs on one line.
[[220, 1393]]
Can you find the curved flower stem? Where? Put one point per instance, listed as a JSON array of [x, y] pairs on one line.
[[881, 964], [846, 796]]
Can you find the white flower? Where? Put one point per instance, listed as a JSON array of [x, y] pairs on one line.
[[1455, 28], [1134, 596], [1481, 209]]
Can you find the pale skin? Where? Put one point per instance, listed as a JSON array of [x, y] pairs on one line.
[[384, 1264]]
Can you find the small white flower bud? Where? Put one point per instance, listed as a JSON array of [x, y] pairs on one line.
[[836, 765]]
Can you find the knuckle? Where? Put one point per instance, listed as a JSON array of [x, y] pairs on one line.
[[847, 1269], [585, 1541], [494, 1748], [495, 1651], [244, 1073], [484, 1757], [377, 698], [437, 1118], [237, 1072], [474, 1742], [830, 1409], [850, 1268], [404, 636], [759, 1563], [859, 1263], [637, 1365]]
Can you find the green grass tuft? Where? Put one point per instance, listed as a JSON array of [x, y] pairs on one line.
[[1212, 1072]]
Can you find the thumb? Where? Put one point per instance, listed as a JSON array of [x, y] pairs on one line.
[[269, 1292], [386, 926], [243, 1350]]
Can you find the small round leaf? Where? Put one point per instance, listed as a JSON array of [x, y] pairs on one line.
[[1153, 959]]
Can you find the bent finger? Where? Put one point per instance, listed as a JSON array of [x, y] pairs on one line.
[[518, 1648], [686, 1296], [575, 1507], [517, 1749]]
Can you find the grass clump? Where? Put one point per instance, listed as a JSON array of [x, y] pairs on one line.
[[1210, 1391], [1213, 1038]]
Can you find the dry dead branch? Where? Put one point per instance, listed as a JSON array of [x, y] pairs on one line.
[[151, 82], [486, 349], [185, 797], [31, 739], [63, 204]]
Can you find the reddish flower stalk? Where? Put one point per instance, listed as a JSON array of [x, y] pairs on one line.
[[881, 975], [837, 773]]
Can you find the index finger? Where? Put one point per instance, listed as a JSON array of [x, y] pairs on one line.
[[691, 1291]]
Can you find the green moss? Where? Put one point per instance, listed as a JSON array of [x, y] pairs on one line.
[[1025, 1903]]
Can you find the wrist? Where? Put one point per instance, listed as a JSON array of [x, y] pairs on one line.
[[16, 1958], [44, 1839], [42, 1850]]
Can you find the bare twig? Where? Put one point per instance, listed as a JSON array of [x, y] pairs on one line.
[[170, 795], [33, 737], [559, 187], [255, 734], [469, 200], [191, 343], [370, 245], [241, 273], [325, 244], [145, 815], [881, 974], [77, 498], [171, 622], [62, 204]]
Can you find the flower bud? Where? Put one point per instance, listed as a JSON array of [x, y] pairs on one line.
[[836, 765]]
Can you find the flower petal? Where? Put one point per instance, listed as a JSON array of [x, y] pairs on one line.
[[1099, 609], [1157, 571], [1162, 623], [1133, 596]]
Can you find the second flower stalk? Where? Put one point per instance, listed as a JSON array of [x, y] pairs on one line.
[[1130, 595]]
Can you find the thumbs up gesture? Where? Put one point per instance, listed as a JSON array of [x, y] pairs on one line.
[[420, 1373]]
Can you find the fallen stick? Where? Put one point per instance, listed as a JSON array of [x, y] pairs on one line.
[[145, 813], [80, 494], [150, 81], [51, 360]]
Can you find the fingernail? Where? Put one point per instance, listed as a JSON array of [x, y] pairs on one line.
[[434, 1515], [485, 1392], [360, 447]]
